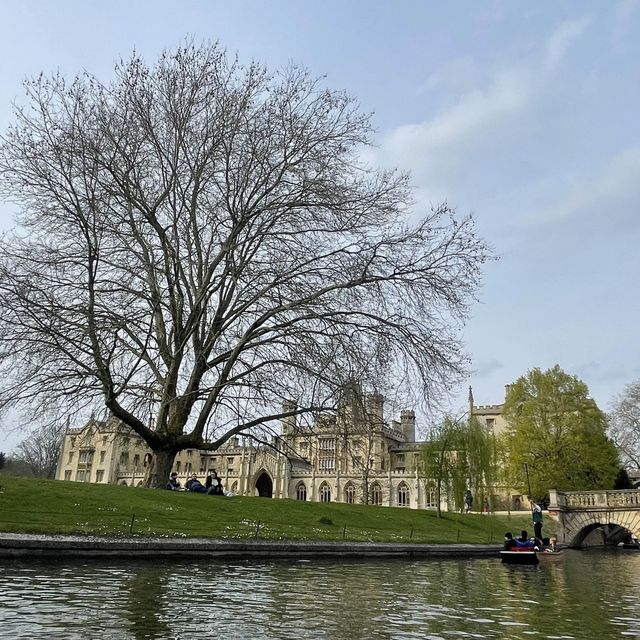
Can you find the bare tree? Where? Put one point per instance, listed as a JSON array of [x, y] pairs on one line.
[[200, 242], [624, 425], [40, 451]]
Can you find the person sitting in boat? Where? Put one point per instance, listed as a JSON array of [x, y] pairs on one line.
[[509, 542], [523, 541]]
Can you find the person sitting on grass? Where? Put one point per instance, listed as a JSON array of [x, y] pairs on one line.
[[210, 481], [193, 484], [218, 489], [173, 484]]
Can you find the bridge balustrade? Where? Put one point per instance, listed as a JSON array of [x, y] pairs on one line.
[[595, 499]]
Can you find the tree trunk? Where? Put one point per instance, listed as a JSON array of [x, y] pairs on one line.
[[160, 468]]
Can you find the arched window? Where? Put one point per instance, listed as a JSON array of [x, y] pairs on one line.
[[376, 494], [350, 494], [301, 492], [403, 495], [325, 492], [234, 487]]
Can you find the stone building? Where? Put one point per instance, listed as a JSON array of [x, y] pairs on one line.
[[353, 456]]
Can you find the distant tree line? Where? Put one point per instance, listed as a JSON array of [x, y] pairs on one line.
[[36, 456]]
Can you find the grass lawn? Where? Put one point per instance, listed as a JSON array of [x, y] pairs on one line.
[[52, 506]]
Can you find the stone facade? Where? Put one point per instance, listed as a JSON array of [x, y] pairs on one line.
[[342, 458], [354, 456]]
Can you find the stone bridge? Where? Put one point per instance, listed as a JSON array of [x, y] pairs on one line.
[[579, 513]]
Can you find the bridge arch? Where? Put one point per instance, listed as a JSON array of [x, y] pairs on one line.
[[581, 512]]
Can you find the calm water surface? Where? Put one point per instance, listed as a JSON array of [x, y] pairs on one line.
[[590, 594]]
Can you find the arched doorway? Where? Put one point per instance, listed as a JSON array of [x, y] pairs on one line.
[[264, 485]]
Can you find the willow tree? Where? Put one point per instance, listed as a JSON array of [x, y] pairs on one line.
[[461, 454], [199, 245]]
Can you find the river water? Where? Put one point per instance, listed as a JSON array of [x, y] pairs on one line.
[[587, 594]]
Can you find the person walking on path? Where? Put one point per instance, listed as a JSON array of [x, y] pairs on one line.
[[468, 501]]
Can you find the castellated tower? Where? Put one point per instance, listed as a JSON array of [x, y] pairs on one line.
[[288, 423], [408, 425]]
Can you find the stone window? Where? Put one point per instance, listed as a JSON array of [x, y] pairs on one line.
[[327, 444], [431, 501], [70, 459], [403, 495], [301, 492], [86, 456], [102, 456], [67, 474], [325, 492], [350, 494], [124, 458], [376, 494], [72, 441], [99, 475], [327, 464]]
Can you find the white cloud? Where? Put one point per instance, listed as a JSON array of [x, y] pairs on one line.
[[481, 123], [615, 184], [562, 38], [474, 112]]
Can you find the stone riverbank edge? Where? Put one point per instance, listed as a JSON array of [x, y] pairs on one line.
[[25, 546]]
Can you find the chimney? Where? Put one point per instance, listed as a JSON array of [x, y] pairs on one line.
[[507, 388], [408, 425]]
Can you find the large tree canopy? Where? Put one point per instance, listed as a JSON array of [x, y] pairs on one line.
[[199, 243], [624, 427], [559, 432]]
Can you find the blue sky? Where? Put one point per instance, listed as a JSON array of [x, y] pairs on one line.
[[525, 114]]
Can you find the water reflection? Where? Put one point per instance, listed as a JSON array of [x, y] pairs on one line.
[[588, 595], [146, 590]]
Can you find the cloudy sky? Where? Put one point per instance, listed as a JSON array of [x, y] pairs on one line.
[[525, 114]]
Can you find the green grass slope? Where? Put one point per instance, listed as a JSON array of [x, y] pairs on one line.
[[50, 506]]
